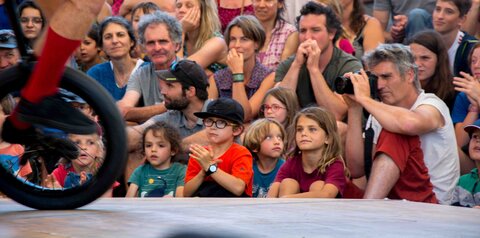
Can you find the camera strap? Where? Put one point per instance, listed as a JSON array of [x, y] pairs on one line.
[[367, 152]]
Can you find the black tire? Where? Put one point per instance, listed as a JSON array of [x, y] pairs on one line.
[[114, 137]]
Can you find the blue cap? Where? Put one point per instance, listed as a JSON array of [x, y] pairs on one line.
[[470, 128], [7, 39]]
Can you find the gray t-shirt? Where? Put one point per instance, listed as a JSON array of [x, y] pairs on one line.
[[340, 64], [177, 119], [144, 81], [403, 7]]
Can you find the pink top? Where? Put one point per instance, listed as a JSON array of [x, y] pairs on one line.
[[226, 15]]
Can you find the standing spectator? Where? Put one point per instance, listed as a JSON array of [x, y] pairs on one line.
[[315, 169], [161, 37], [265, 138], [9, 55], [362, 30], [245, 79], [88, 54], [31, 20], [404, 109], [117, 40], [229, 9], [202, 40], [223, 168], [434, 73], [407, 17], [312, 71], [281, 37], [448, 18], [293, 10]]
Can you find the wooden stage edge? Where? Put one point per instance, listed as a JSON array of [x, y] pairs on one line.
[[232, 217]]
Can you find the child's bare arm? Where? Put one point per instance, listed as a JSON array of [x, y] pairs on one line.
[[274, 189], [192, 185], [179, 191], [132, 190], [229, 182]]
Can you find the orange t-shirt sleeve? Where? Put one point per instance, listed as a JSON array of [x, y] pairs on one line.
[[242, 166], [193, 168]]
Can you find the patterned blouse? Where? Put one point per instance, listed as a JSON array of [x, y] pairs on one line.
[[224, 80], [272, 57]]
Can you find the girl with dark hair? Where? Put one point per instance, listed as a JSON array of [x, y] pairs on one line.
[[431, 57], [31, 20]]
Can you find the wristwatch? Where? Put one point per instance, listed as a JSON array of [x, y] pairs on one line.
[[211, 169]]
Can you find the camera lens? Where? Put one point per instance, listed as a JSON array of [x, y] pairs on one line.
[[343, 85]]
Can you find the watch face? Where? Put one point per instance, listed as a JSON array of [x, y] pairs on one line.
[[213, 168]]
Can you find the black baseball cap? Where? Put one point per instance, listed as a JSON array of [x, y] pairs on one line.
[[187, 72], [225, 108], [7, 39]]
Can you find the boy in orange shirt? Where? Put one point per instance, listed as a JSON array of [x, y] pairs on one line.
[[223, 168]]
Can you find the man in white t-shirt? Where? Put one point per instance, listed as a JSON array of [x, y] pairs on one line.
[[404, 109]]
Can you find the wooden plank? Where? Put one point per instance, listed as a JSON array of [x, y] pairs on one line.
[[231, 217]]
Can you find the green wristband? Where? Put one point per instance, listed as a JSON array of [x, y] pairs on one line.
[[238, 78]]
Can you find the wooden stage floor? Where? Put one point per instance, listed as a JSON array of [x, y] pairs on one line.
[[120, 217]]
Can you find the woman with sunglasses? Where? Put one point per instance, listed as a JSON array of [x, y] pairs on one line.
[[31, 20], [245, 79]]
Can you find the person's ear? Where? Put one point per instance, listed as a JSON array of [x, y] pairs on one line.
[[237, 130]]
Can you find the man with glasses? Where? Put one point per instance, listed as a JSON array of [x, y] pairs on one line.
[[161, 36], [184, 88], [9, 54]]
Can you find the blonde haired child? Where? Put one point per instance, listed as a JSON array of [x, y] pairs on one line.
[[159, 176], [78, 171], [265, 139], [316, 167]]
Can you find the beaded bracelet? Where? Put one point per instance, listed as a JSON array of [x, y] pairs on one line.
[[238, 78]]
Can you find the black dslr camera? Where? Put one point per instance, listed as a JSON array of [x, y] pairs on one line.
[[344, 85]]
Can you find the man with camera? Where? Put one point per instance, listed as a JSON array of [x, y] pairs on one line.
[[312, 70], [404, 114]]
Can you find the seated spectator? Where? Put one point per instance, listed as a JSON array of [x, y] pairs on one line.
[[138, 11], [404, 108], [184, 88], [281, 104], [342, 42], [222, 168], [9, 55], [229, 9], [466, 110], [126, 9], [407, 17], [315, 169], [281, 36], [362, 30], [467, 192], [434, 73], [31, 20], [448, 17], [312, 71], [265, 138], [202, 40], [398, 170], [245, 79], [160, 176], [76, 172], [161, 37], [88, 54], [117, 40], [10, 154]]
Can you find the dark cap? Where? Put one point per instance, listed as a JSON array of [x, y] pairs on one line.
[[186, 72], [470, 128], [7, 39], [225, 108]]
